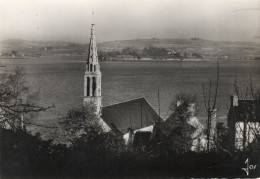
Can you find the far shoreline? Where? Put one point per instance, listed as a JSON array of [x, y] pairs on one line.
[[81, 59]]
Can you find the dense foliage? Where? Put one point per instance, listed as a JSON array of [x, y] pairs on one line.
[[148, 52], [82, 130], [26, 155]]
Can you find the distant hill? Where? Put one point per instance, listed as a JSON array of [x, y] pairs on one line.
[[207, 48], [41, 48]]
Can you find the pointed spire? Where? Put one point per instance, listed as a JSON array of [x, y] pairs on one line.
[[92, 76], [92, 55]]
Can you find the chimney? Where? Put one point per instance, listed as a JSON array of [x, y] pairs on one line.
[[234, 100]]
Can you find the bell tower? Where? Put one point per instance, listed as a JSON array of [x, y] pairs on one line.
[[92, 76]]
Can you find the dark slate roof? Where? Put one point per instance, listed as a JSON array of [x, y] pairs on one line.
[[247, 109], [119, 114]]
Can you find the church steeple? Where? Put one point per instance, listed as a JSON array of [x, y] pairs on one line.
[[92, 55], [92, 77]]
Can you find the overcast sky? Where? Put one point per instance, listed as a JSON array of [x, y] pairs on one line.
[[69, 20]]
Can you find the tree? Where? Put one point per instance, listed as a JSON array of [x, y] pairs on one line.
[[185, 99], [223, 139], [154, 52], [175, 134], [79, 121], [210, 106], [15, 100], [184, 109], [14, 53], [83, 129]]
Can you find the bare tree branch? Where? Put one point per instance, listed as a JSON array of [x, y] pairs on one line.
[[13, 103], [216, 89]]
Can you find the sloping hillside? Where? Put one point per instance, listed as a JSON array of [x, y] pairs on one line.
[[41, 48], [209, 49]]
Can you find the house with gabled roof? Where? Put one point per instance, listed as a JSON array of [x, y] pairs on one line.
[[244, 123]]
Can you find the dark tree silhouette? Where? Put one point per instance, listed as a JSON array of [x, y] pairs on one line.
[[175, 134], [83, 129]]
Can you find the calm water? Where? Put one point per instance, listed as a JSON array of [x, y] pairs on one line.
[[60, 81]]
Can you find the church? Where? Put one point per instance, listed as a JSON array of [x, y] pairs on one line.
[[135, 119], [134, 114]]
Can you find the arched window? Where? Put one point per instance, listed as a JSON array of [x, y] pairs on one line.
[[93, 86], [94, 68], [88, 86], [91, 67]]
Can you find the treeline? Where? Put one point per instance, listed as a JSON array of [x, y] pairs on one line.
[[13, 54], [148, 52], [26, 155]]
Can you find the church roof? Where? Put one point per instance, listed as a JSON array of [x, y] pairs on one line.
[[136, 114], [246, 110]]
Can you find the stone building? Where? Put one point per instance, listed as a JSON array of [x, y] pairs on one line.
[[92, 76], [244, 123]]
